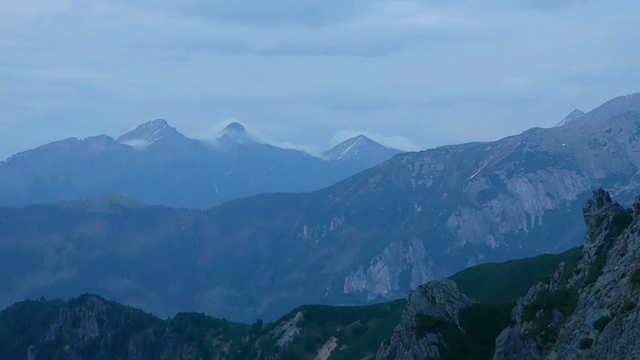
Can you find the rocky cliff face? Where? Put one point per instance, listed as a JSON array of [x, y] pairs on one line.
[[417, 335], [586, 310], [590, 313], [481, 202]]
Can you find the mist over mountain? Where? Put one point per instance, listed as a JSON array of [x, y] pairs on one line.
[[371, 237], [158, 165]]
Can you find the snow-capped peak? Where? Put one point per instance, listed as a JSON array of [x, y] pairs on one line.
[[147, 133], [351, 148]]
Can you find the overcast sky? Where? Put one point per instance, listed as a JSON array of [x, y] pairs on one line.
[[410, 74]]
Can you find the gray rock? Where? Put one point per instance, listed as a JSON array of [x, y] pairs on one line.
[[605, 323], [440, 299]]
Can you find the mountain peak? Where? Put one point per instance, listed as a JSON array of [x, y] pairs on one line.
[[148, 133], [157, 122], [234, 127], [235, 133], [357, 147], [576, 113], [361, 138]]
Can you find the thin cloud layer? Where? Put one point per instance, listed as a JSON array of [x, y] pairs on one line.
[[425, 73]]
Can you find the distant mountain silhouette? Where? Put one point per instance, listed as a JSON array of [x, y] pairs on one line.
[[158, 165]]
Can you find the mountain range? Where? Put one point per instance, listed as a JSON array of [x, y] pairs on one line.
[[371, 237], [581, 304], [156, 164]]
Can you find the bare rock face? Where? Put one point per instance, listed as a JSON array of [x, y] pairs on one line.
[[438, 300], [599, 232], [591, 313], [606, 321], [87, 318], [525, 340]]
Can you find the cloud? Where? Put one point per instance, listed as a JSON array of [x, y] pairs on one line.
[[545, 6], [433, 71], [260, 13], [73, 74], [36, 8], [212, 132]]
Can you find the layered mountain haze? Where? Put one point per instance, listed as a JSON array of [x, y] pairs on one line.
[[158, 165], [371, 237], [578, 304]]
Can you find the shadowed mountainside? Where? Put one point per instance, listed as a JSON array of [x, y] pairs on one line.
[[90, 327]]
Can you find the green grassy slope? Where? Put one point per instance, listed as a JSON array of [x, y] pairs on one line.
[[358, 330], [502, 282]]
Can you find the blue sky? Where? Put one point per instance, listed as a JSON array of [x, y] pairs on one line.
[[410, 74]]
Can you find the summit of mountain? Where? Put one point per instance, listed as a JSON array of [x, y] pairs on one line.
[[359, 151], [576, 113], [149, 133], [234, 127], [235, 135], [360, 148]]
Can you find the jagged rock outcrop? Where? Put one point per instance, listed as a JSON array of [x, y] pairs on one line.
[[433, 300], [592, 312], [525, 340], [599, 232], [586, 309], [88, 319]]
